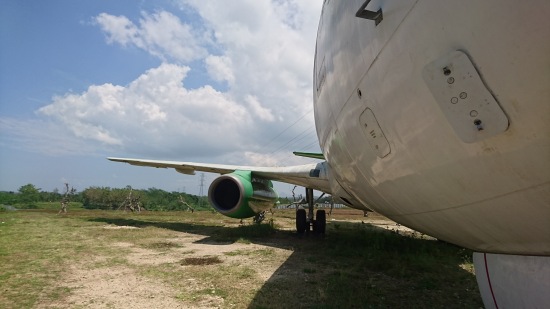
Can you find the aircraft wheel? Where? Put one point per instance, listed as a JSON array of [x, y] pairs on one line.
[[321, 222], [301, 221]]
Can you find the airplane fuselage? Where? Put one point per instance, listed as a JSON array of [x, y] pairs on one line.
[[488, 191], [439, 118]]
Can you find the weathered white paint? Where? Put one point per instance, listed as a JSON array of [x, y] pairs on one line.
[[491, 195], [487, 190]]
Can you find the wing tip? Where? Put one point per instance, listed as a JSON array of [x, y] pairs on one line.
[[114, 159]]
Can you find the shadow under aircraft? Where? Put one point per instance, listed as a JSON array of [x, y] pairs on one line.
[[355, 265]]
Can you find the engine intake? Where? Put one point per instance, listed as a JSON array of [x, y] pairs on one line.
[[240, 195]]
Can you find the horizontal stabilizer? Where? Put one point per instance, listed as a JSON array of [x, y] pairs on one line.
[[319, 156]]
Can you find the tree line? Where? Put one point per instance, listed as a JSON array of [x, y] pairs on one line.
[[29, 196]]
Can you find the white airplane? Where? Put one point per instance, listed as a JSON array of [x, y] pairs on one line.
[[435, 114]]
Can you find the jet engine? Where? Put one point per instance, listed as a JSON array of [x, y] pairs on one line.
[[241, 195]]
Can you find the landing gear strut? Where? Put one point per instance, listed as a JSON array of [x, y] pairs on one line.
[[258, 218], [306, 222]]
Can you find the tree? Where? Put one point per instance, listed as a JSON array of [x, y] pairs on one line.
[[182, 201], [8, 198], [131, 202], [29, 194], [66, 198]]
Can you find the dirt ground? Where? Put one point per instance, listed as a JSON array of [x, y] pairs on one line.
[[101, 282], [121, 286]]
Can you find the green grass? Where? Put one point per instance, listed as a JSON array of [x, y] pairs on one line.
[[47, 206], [33, 253], [358, 265], [354, 266]]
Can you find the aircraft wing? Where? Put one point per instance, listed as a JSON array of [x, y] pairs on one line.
[[312, 175]]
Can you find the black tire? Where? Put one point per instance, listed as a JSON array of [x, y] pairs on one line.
[[321, 222], [301, 221]]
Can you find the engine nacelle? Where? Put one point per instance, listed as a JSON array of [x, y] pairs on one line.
[[240, 195]]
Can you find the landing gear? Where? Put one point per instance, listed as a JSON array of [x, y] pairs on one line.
[[258, 218], [301, 221], [306, 223], [321, 222]]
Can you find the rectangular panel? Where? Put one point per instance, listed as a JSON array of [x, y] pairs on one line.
[[459, 91], [375, 137]]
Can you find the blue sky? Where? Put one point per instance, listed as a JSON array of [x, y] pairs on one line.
[[186, 80]]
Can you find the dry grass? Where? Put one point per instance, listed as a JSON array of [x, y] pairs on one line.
[[103, 259]]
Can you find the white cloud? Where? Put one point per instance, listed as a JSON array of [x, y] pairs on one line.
[[119, 29], [260, 111], [271, 48], [260, 159], [76, 111], [220, 68], [265, 56], [161, 34], [154, 111], [266, 53]]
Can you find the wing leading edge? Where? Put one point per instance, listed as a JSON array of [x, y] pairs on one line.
[[313, 176]]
